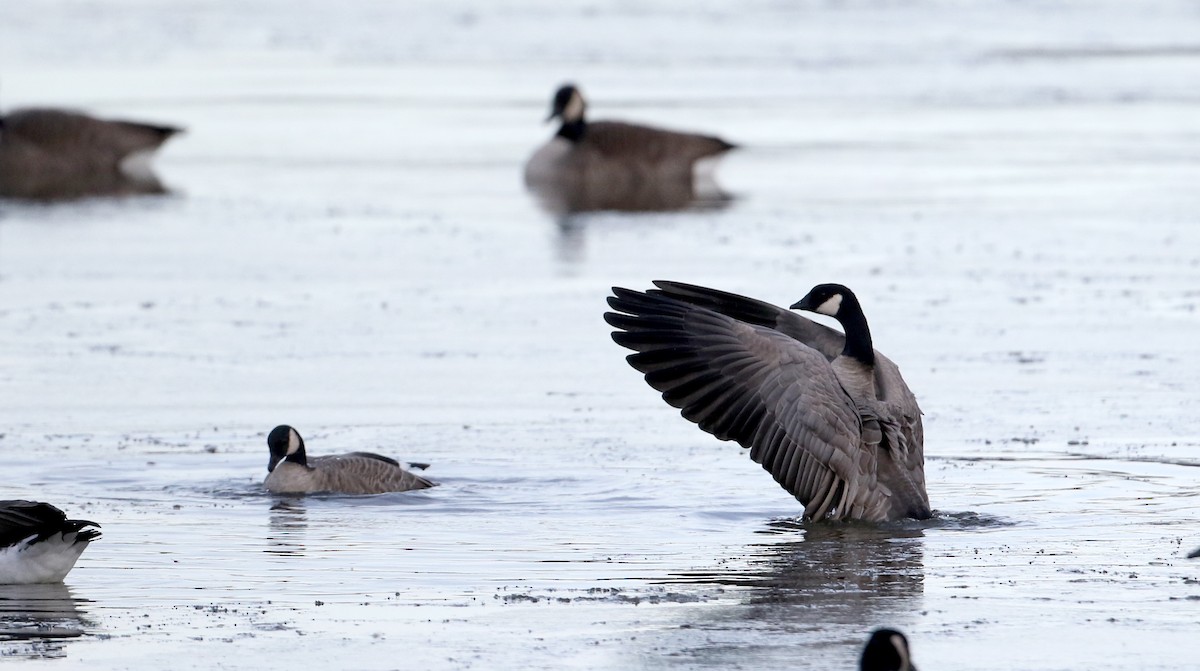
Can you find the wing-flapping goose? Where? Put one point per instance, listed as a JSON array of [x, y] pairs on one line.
[[613, 165], [886, 650], [50, 154], [291, 471], [38, 544], [829, 417]]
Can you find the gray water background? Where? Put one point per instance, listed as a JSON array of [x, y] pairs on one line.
[[1010, 187]]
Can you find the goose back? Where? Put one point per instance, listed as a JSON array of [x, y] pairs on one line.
[[48, 154], [352, 473], [647, 145]]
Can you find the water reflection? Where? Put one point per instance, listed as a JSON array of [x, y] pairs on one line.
[[288, 528], [573, 203], [37, 621], [813, 591], [568, 194], [832, 569]]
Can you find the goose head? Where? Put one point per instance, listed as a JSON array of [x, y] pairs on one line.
[[886, 650], [837, 301], [825, 299], [286, 445], [568, 105]]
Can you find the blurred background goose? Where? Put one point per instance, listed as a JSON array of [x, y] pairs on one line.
[[613, 165], [38, 544], [829, 417], [50, 154], [291, 471], [886, 650]]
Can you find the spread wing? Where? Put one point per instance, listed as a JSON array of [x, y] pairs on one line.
[[900, 403], [760, 387]]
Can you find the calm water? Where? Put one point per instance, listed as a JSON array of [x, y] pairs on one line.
[[1009, 187]]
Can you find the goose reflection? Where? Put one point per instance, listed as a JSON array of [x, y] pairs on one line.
[[576, 204], [37, 621], [288, 527], [564, 195], [834, 570]]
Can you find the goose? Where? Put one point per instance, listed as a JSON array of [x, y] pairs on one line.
[[1194, 553], [617, 165], [829, 417], [38, 544], [886, 650], [291, 471], [51, 154]]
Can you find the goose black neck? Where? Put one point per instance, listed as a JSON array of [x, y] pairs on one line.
[[298, 456], [573, 130], [858, 334]]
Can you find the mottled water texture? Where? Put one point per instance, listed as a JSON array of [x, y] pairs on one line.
[[1009, 187]]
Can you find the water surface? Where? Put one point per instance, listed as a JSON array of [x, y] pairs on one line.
[[1009, 187]]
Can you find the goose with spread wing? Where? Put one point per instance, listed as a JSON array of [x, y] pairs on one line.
[[829, 417]]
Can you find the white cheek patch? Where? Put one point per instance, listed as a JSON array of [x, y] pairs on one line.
[[901, 647], [293, 441], [574, 109], [831, 305]]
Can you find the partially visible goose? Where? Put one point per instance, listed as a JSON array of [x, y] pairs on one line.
[[829, 417], [291, 471], [617, 165], [38, 544], [886, 650], [49, 154], [1194, 553]]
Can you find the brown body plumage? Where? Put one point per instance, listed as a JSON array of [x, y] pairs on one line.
[[48, 154], [292, 471], [614, 165]]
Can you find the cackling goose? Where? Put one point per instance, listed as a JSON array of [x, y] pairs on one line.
[[886, 650], [38, 544], [593, 165], [49, 154], [829, 417], [291, 471]]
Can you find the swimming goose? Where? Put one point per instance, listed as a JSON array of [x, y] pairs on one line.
[[38, 544], [291, 471], [616, 165], [829, 417], [886, 650], [48, 154]]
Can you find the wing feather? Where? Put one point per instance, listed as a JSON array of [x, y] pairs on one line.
[[767, 391], [889, 383], [364, 473]]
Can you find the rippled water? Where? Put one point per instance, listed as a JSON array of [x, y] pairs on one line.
[[1010, 188]]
